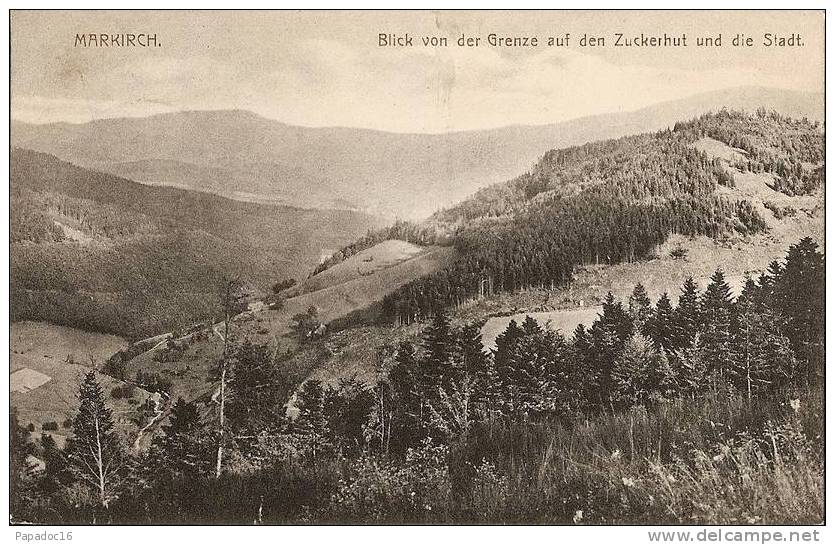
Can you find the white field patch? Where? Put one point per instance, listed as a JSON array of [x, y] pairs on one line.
[[73, 234], [365, 263], [757, 188], [564, 321], [715, 148], [25, 380]]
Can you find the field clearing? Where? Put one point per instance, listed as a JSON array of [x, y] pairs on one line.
[[715, 148], [56, 401], [190, 373], [55, 341], [365, 263]]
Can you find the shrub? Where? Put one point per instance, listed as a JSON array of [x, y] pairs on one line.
[[379, 490], [678, 253], [124, 391]]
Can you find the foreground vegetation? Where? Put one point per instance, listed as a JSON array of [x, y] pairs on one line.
[[705, 412]]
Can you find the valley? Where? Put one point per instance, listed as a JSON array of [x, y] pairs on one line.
[[421, 335]]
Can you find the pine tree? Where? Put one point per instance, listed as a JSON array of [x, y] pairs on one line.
[[717, 308], [585, 380], [615, 319], [641, 372], [531, 383], [661, 326], [660, 375], [640, 307], [692, 374], [609, 334], [257, 390], [762, 355], [750, 296], [439, 345], [55, 473], [506, 358], [410, 416], [687, 318], [472, 349], [96, 455], [800, 295], [184, 450]]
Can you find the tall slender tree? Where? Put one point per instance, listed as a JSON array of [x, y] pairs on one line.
[[96, 454], [687, 318]]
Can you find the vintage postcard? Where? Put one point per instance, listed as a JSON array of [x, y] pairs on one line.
[[555, 268]]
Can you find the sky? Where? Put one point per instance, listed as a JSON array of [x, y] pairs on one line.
[[326, 68]]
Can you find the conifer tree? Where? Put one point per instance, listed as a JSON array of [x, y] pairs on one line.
[[640, 307], [800, 295], [257, 390], [687, 318], [585, 380], [762, 355], [506, 358], [641, 372], [439, 345], [609, 333], [184, 449], [532, 384], [95, 452], [717, 308], [471, 348], [692, 374], [661, 326]]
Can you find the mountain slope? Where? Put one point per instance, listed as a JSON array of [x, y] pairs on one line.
[[150, 258], [241, 155], [616, 201]]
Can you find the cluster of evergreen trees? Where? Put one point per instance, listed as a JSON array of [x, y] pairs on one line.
[[636, 352], [542, 246]]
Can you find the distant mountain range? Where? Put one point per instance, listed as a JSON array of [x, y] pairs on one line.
[[240, 155]]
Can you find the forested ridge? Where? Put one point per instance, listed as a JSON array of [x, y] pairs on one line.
[[609, 202], [102, 253]]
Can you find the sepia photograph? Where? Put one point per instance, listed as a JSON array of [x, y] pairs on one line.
[[413, 267]]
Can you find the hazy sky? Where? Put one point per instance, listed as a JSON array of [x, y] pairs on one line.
[[326, 69]]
